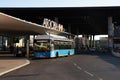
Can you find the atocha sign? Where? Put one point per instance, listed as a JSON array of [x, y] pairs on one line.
[[47, 23]]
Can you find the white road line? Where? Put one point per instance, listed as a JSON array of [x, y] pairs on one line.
[[17, 67], [89, 73], [100, 79], [85, 71], [74, 64], [79, 68]]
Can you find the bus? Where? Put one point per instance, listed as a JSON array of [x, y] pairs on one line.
[[49, 46]]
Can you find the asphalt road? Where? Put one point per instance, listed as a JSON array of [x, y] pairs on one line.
[[77, 67]]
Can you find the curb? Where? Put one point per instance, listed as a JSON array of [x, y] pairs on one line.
[[17, 67]]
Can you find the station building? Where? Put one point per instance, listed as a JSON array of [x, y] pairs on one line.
[[21, 33]]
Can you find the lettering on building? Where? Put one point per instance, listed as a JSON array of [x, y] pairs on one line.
[[47, 23]]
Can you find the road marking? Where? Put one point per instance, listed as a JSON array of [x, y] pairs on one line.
[[100, 79], [75, 64], [17, 67], [79, 68], [89, 73], [85, 71]]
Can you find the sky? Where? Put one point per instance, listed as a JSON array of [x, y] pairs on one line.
[[58, 3]]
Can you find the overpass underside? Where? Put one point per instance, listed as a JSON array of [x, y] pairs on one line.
[[79, 21], [82, 20]]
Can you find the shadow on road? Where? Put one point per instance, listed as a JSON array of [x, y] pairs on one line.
[[9, 56], [106, 56]]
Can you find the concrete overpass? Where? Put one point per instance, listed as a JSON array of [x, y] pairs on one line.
[[77, 20], [12, 25], [82, 20]]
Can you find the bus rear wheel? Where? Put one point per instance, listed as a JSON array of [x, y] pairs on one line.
[[69, 53], [56, 55]]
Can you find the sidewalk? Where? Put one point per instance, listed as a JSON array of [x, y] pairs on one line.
[[10, 63]]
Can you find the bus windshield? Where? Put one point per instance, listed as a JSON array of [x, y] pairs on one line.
[[41, 45]]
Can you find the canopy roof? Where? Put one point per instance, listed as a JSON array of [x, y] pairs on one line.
[[9, 24], [12, 25]]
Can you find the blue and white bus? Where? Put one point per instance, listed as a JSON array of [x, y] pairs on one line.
[[50, 46]]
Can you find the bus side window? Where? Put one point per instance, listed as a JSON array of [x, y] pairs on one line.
[[52, 45]]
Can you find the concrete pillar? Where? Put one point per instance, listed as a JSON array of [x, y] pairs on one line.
[[93, 42], [83, 40], [110, 33], [69, 30], [90, 41], [33, 41], [27, 47], [87, 41]]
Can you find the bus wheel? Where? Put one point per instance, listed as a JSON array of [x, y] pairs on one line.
[[56, 55], [69, 53]]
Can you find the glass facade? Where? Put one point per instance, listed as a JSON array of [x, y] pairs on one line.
[[3, 43]]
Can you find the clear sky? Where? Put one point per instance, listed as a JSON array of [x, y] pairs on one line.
[[58, 3]]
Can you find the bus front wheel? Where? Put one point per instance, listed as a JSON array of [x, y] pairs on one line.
[[56, 55]]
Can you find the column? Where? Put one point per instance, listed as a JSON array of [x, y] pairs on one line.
[[90, 41], [83, 40], [85, 37], [110, 33], [69, 30], [27, 46], [87, 42], [93, 43]]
